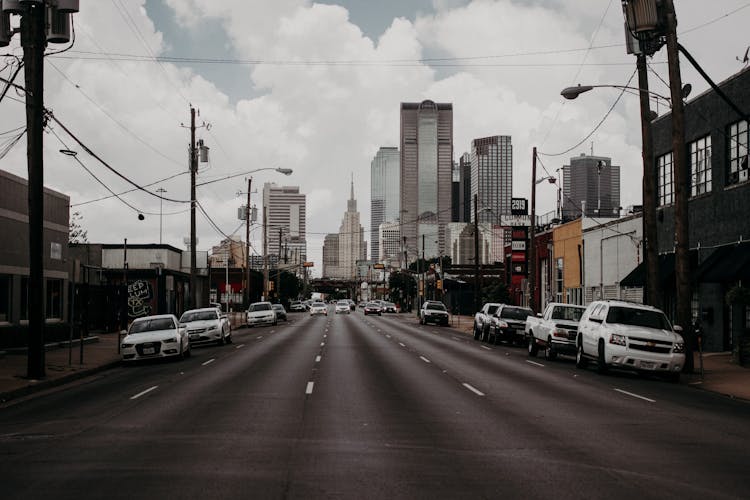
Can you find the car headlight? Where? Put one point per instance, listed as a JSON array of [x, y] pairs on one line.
[[617, 339], [126, 346], [560, 333], [501, 324], [172, 340], [679, 347]]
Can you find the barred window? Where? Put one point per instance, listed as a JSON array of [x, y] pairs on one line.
[[738, 141], [665, 179], [700, 166]]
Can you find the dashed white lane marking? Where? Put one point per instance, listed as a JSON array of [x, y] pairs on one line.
[[317, 359], [387, 336], [209, 361], [239, 346], [636, 396], [401, 344], [310, 386], [474, 390], [325, 336], [425, 359], [144, 392], [322, 344], [259, 337], [485, 347], [534, 363]]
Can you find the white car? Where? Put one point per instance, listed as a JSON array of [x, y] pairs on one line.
[[318, 308], [630, 336], [261, 313], [155, 337], [343, 307], [207, 325]]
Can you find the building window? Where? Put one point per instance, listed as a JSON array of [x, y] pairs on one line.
[[738, 141], [700, 166], [559, 281], [665, 180], [54, 299], [5, 282]]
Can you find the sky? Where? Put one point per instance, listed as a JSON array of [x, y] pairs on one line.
[[316, 87]]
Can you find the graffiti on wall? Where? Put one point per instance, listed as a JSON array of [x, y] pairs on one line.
[[140, 294]]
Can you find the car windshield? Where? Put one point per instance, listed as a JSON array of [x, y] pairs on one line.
[[191, 316], [259, 307], [638, 317], [342, 303], [152, 325], [568, 313], [318, 304], [515, 312], [435, 307], [278, 307]]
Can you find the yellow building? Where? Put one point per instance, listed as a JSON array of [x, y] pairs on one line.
[[566, 284]]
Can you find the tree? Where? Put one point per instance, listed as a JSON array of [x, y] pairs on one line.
[[402, 287], [494, 290], [76, 232]]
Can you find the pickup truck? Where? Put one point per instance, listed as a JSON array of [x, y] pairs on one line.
[[554, 330], [483, 320]]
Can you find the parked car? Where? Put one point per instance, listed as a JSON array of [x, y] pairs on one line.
[[152, 337], [508, 324], [483, 319], [207, 325], [261, 313], [318, 308], [297, 306], [373, 308], [433, 312], [280, 311], [342, 307], [555, 330], [630, 336]]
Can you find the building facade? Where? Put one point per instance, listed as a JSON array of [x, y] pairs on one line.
[[491, 177], [351, 240], [390, 247], [591, 184], [331, 256], [285, 213], [385, 202], [426, 164]]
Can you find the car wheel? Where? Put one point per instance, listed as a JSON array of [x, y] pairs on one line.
[[221, 340], [181, 355], [601, 362], [549, 353], [581, 360], [275, 322], [189, 351], [476, 332], [229, 338], [533, 348]]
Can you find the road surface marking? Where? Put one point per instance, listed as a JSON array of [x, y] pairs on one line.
[[534, 363], [144, 392], [317, 359], [325, 336], [485, 347], [472, 389], [424, 359], [402, 345], [209, 361], [455, 338], [309, 387], [387, 336], [239, 346], [636, 396], [322, 344], [259, 337]]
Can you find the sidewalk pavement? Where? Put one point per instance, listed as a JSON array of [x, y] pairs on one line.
[[64, 365]]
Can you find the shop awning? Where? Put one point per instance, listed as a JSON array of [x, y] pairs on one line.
[[637, 276], [727, 264]]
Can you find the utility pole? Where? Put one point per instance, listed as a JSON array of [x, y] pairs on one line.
[[193, 171], [161, 192], [477, 296], [265, 253], [278, 271], [532, 237], [248, 212], [424, 275]]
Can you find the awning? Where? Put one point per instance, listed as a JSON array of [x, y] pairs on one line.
[[727, 264], [637, 276]]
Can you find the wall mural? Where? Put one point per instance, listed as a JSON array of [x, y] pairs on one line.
[[140, 294]]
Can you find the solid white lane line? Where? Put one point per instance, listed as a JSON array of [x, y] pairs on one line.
[[636, 396], [485, 347], [317, 359], [309, 387], [144, 392], [239, 346], [402, 345], [472, 389], [534, 363], [425, 359], [209, 361]]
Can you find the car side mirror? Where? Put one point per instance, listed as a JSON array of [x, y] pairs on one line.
[[677, 328]]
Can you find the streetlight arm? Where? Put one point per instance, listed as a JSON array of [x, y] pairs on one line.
[[285, 171], [573, 92]]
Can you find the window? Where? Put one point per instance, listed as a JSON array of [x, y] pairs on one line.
[[665, 180], [54, 299], [700, 166], [738, 141], [5, 282], [559, 281]]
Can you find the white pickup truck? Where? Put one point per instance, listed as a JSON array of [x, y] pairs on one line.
[[554, 330], [483, 320]]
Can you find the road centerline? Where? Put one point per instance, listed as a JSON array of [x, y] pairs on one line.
[[473, 389], [631, 394], [534, 363], [425, 359], [208, 362], [309, 388], [142, 393]]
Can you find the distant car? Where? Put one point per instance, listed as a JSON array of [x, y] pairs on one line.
[[362, 304], [261, 313], [280, 311], [343, 307], [389, 307], [318, 308], [153, 337], [207, 325], [373, 308], [352, 304], [297, 306], [433, 312]]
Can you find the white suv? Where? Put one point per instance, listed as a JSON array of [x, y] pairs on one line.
[[630, 336]]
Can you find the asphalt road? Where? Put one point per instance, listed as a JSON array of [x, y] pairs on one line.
[[371, 407]]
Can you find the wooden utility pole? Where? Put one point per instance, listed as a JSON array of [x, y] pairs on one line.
[[193, 171], [532, 236], [248, 213], [477, 291]]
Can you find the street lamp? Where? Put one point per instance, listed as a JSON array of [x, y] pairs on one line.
[[574, 92]]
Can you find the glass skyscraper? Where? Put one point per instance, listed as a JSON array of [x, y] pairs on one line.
[[491, 177], [384, 195]]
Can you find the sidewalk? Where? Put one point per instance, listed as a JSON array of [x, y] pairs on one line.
[[720, 374]]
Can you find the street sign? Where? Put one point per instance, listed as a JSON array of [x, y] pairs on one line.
[[515, 220], [518, 245], [379, 266], [308, 264], [519, 206]]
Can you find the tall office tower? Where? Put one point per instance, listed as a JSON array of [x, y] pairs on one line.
[[455, 193], [389, 242], [351, 240], [491, 177], [331, 256], [593, 180], [285, 211], [426, 164], [384, 194], [464, 196]]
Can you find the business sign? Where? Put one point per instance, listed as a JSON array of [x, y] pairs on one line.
[[308, 264], [518, 245], [519, 206], [378, 266], [515, 220]]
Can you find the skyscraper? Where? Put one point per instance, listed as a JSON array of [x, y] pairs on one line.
[[426, 180], [464, 188], [285, 209], [331, 256], [351, 240], [491, 177], [384, 194], [596, 181]]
